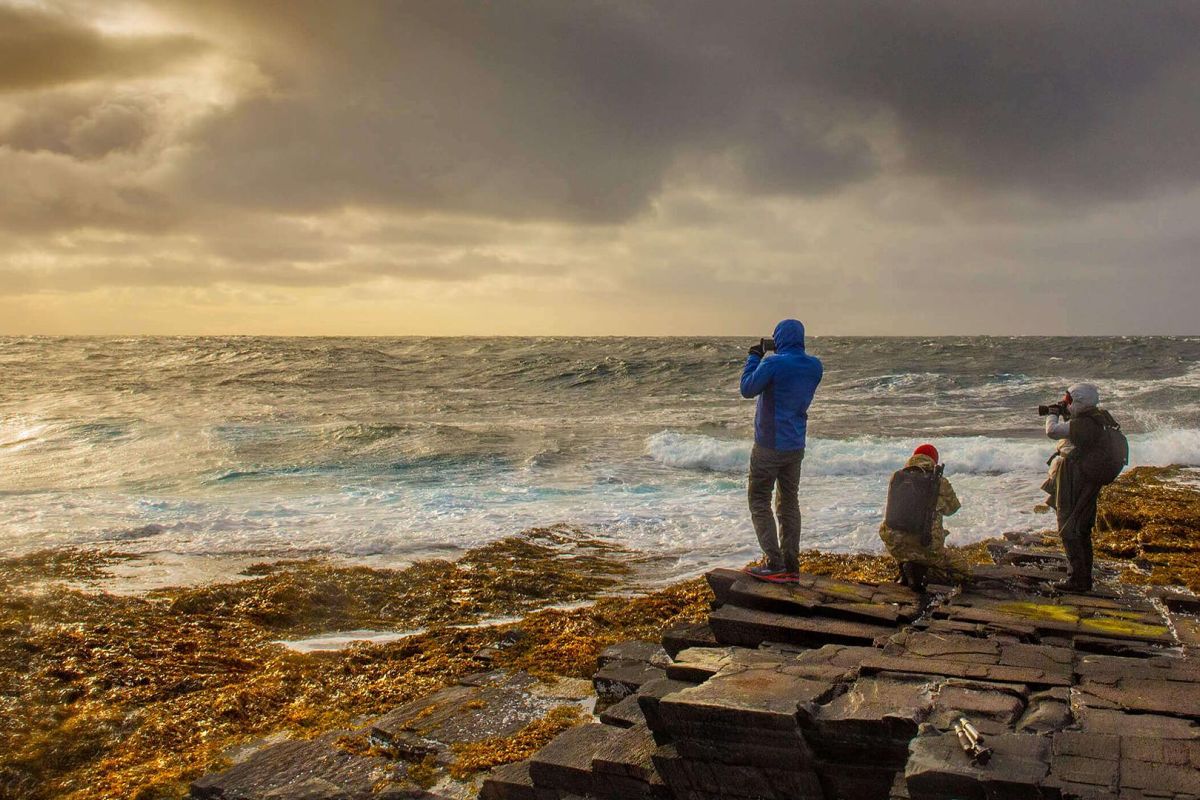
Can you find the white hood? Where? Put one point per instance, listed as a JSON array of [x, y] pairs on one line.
[[1083, 397]]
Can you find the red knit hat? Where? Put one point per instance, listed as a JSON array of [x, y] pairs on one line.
[[927, 450]]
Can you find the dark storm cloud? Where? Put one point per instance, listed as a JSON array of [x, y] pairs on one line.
[[1060, 98], [39, 49], [553, 110], [581, 110]]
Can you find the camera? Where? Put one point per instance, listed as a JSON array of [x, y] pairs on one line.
[[1053, 408], [768, 345]]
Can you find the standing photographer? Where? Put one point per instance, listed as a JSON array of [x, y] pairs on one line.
[[1091, 459], [784, 385]]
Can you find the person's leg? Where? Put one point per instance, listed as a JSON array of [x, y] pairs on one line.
[[763, 473], [787, 507], [1069, 497], [1075, 528], [1087, 520], [1077, 567]]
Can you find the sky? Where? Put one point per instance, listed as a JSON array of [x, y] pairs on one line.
[[382, 167]]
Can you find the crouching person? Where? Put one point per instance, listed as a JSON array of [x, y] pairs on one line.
[[918, 498]]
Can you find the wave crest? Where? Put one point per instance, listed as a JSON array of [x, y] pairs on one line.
[[869, 455]]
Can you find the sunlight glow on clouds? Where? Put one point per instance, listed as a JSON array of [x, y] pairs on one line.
[[545, 167]]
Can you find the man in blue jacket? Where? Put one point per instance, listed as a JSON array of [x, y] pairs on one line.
[[784, 385]]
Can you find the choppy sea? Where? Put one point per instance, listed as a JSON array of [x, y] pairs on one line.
[[206, 451]]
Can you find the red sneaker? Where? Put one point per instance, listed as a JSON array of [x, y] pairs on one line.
[[767, 573]]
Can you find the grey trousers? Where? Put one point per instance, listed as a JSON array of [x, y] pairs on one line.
[[1076, 507], [769, 468]]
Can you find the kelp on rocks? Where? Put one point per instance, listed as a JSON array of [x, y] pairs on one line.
[[108, 696], [508, 576], [1151, 519], [131, 697]]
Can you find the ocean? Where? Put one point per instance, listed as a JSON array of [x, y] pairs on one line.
[[213, 452]]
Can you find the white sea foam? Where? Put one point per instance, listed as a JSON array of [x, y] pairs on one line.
[[343, 639], [873, 455], [1165, 448], [198, 451], [692, 451]]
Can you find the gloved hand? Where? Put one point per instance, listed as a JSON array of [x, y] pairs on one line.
[[757, 350]]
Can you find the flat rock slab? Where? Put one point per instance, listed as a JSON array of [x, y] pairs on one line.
[[698, 664], [1177, 600], [743, 699], [1117, 722], [566, 762], [835, 689], [720, 580], [458, 714], [1045, 660], [1085, 764], [832, 663], [649, 696], [1046, 712], [697, 779], [938, 768], [1065, 616], [992, 708], [308, 770], [509, 782], [994, 673], [1187, 629], [625, 714], [801, 600], [764, 752], [1102, 645], [635, 650], [747, 628], [617, 680], [1089, 764], [1164, 667], [952, 647], [1154, 765], [627, 754], [686, 635], [877, 715], [1173, 698]]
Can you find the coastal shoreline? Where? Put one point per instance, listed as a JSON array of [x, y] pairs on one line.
[[135, 696]]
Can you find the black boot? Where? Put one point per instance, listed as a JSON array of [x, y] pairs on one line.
[[916, 577]]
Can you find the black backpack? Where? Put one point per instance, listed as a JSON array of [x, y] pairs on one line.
[[1104, 460], [912, 501]]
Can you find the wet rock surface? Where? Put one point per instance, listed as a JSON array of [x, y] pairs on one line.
[[836, 689], [394, 755], [311, 770], [821, 689]]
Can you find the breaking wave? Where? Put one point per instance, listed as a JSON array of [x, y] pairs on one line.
[[868, 455]]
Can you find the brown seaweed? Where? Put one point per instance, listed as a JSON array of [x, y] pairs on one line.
[[109, 696]]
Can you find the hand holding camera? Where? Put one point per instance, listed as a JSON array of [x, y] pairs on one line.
[[1058, 409], [763, 347]]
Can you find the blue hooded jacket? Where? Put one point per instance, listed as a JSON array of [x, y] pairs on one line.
[[784, 385]]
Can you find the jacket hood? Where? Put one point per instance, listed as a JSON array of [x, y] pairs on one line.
[[1084, 396], [789, 335], [923, 461]]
